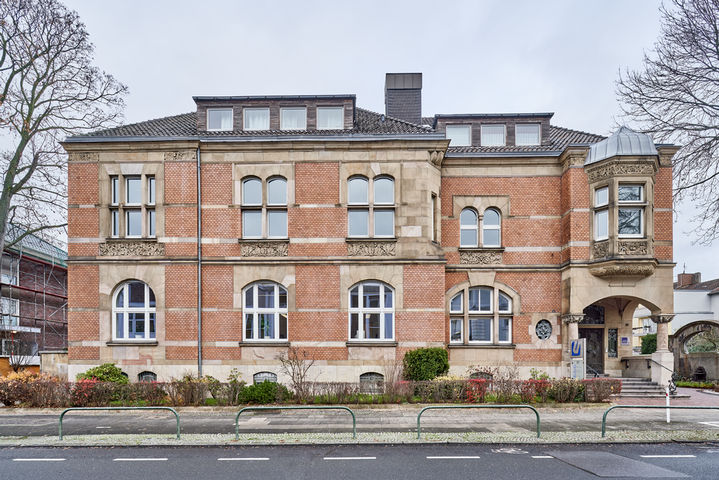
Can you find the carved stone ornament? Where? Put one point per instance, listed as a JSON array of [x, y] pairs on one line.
[[662, 318], [572, 317], [614, 169], [600, 249], [371, 249], [623, 270], [180, 156], [436, 157], [84, 157], [265, 249], [480, 257], [625, 247], [132, 249]]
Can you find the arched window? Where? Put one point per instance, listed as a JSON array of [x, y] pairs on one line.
[[261, 377], [268, 219], [468, 234], [265, 311], [491, 228], [371, 311], [371, 382], [486, 311], [133, 311], [147, 377], [251, 191]]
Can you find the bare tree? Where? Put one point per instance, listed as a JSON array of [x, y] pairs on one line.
[[296, 364], [20, 353], [675, 97], [49, 89]]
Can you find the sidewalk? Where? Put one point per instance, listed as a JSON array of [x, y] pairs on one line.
[[375, 424]]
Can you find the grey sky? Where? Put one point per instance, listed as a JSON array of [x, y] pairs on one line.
[[476, 56]]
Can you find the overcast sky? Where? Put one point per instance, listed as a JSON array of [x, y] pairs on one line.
[[475, 56]]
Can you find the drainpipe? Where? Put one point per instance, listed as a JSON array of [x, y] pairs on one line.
[[199, 267]]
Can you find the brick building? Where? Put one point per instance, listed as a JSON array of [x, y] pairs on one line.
[[358, 236]]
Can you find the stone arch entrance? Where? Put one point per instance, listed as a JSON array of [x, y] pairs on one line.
[[688, 364]]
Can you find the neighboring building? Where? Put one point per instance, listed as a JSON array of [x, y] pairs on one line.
[[33, 300], [358, 236], [695, 300]]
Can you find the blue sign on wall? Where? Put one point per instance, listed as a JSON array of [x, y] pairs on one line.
[[576, 350]]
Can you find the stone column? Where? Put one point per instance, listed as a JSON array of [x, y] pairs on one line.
[[663, 359]]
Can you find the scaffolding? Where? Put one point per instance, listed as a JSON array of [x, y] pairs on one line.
[[33, 298]]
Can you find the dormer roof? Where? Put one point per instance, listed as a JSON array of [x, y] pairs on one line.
[[623, 142]]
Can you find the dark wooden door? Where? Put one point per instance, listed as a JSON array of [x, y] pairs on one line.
[[595, 348]]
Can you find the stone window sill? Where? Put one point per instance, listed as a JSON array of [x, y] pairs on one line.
[[371, 239], [481, 249], [263, 240], [366, 343], [130, 239], [482, 345], [128, 343], [260, 343]]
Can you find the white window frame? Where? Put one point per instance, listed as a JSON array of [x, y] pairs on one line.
[[456, 128], [255, 311], [119, 208], [361, 311], [489, 126], [638, 205], [509, 337], [517, 126], [127, 190], [601, 207], [371, 206], [264, 207], [293, 109], [255, 109], [126, 309], [497, 227], [474, 227], [493, 315], [127, 222], [328, 108], [221, 109]]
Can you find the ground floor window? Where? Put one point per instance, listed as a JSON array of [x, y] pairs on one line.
[[480, 315]]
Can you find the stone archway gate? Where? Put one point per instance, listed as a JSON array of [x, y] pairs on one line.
[[686, 364]]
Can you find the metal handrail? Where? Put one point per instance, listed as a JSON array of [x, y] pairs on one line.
[[440, 407], [675, 407], [672, 380], [596, 373], [177, 417], [305, 407]]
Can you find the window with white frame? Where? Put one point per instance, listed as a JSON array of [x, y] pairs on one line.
[[491, 228], [293, 118], [480, 315], [264, 310], [601, 213], [330, 118], [268, 218], [133, 312], [493, 135], [132, 206], [630, 210], [527, 134], [256, 118], [371, 311], [373, 218], [261, 377], [459, 135], [468, 231], [219, 119]]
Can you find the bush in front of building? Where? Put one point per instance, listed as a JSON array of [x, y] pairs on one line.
[[565, 390], [600, 389], [264, 393], [425, 364], [649, 343], [33, 389], [107, 372]]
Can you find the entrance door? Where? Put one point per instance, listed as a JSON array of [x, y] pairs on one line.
[[595, 348]]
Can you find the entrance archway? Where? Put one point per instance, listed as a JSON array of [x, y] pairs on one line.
[[691, 364]]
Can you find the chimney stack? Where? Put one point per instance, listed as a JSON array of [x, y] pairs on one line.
[[685, 279], [403, 96]]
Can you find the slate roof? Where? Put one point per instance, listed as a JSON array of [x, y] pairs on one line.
[[710, 285], [560, 138], [35, 246]]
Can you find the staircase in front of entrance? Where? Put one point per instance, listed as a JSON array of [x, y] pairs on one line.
[[642, 388]]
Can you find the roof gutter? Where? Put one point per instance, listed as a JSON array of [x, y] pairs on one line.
[[363, 137]]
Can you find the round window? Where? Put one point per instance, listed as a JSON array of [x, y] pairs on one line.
[[544, 329]]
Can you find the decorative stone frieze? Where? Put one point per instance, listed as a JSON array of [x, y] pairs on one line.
[[84, 157], [623, 269], [371, 249], [480, 257], [626, 247], [265, 249], [572, 318], [132, 249], [662, 318], [600, 249], [608, 170], [180, 156]]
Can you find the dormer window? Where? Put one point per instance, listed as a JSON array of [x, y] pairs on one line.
[[459, 135], [330, 118], [493, 135], [256, 119], [293, 118], [219, 119], [527, 134]]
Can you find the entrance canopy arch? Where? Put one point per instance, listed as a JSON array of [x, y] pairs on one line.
[[687, 364]]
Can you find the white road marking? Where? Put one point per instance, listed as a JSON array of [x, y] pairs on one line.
[[350, 458], [668, 456], [38, 459], [103, 427], [542, 456], [249, 459], [453, 457], [711, 424], [140, 459]]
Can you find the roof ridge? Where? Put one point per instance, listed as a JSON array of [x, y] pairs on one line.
[[576, 131]]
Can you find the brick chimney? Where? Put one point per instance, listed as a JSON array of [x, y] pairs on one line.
[[686, 279], [403, 96]]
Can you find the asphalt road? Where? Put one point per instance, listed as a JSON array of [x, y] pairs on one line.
[[396, 462]]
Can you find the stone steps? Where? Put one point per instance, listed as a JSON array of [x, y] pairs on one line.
[[643, 388]]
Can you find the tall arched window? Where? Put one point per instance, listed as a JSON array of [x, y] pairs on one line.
[[265, 312], [371, 311], [485, 317], [133, 311], [491, 228], [468, 233]]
